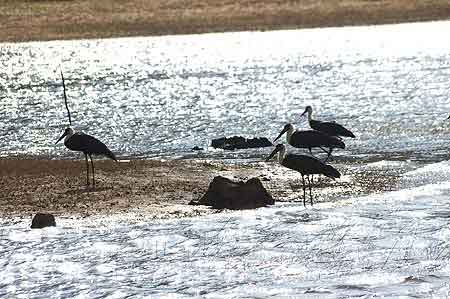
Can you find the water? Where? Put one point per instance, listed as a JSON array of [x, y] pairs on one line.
[[161, 96], [392, 244], [164, 95]]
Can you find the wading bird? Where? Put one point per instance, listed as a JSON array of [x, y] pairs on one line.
[[310, 139], [88, 145], [82, 142], [330, 128], [306, 165]]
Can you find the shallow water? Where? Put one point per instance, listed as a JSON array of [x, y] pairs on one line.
[[385, 245], [164, 95], [158, 96]]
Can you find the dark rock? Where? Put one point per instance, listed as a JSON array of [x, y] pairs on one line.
[[238, 142], [196, 148], [223, 193], [41, 220]]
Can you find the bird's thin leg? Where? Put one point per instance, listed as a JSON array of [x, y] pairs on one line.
[[310, 189], [87, 169], [310, 192], [93, 171], [329, 154], [304, 191], [323, 149]]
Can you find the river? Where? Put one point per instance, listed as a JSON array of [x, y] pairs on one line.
[[150, 97]]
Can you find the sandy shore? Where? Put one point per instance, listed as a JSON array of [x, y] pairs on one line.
[[156, 189], [25, 20]]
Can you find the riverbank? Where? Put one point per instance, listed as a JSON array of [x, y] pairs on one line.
[[24, 20], [155, 189]]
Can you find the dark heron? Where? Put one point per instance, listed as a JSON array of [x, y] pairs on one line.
[[310, 139], [330, 128], [88, 145], [306, 165]]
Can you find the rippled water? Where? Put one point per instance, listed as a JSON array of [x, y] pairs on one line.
[[391, 244], [163, 95]]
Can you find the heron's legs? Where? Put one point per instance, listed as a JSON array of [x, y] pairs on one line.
[[304, 191], [93, 171], [310, 191], [87, 169]]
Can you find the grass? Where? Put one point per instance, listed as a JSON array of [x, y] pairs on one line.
[[25, 20]]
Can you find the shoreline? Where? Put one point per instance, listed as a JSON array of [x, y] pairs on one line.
[[44, 20], [156, 189]]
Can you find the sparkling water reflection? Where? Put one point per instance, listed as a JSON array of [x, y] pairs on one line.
[[164, 95], [391, 244]]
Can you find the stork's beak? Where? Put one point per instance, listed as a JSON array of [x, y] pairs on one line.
[[62, 136], [281, 134], [304, 112], [272, 154]]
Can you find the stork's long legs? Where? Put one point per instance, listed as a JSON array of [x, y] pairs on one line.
[[304, 191], [329, 154], [87, 169], [93, 171], [310, 192]]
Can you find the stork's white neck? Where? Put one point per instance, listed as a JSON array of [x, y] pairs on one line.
[[69, 134], [289, 133], [309, 115], [281, 155]]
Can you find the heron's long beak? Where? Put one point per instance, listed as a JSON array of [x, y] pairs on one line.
[[281, 134], [272, 154], [62, 136]]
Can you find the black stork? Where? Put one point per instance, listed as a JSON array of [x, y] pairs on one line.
[[310, 139], [306, 165], [330, 128], [77, 141]]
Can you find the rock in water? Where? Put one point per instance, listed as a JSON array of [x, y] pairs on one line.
[[223, 193], [41, 220], [238, 142]]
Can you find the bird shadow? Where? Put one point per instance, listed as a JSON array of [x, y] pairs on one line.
[[88, 190]]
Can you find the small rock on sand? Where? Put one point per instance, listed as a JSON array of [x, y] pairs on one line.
[[41, 220]]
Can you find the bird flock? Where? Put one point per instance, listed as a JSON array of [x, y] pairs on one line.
[[325, 136]]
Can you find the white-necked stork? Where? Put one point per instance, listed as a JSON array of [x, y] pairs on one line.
[[306, 165], [310, 139], [330, 128], [77, 141]]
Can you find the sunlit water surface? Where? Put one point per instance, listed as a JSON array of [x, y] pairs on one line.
[[161, 96], [164, 95]]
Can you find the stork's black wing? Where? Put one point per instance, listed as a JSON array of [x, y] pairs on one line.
[[331, 128], [312, 138], [89, 145], [309, 165]]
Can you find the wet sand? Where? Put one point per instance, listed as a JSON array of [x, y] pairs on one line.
[[156, 189], [25, 20]]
